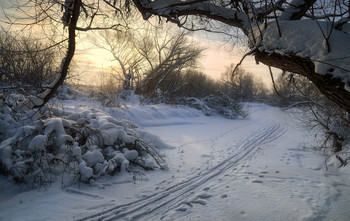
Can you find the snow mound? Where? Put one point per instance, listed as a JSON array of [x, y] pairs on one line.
[[130, 154], [93, 157], [88, 144], [38, 143]]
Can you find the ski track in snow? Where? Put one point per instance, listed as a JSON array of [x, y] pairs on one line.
[[220, 170], [192, 191]]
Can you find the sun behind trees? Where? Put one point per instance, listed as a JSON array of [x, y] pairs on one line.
[[150, 57]]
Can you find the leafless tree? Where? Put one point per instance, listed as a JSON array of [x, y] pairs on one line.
[[165, 54], [294, 90], [108, 82], [121, 46], [150, 56], [198, 84], [242, 85]]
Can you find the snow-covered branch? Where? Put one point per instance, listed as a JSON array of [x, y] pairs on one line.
[[174, 9], [296, 9]]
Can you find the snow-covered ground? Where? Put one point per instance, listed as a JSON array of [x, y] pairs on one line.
[[261, 168]]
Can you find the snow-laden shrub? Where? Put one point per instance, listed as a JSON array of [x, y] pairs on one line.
[[333, 126], [215, 103], [197, 104], [87, 144], [218, 103], [65, 92], [225, 106], [107, 99]]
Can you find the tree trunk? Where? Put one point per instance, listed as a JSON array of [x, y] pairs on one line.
[[41, 99]]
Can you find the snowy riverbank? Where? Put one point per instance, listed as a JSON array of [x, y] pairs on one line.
[[260, 168]]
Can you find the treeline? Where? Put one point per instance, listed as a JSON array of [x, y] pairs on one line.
[[26, 61], [193, 83], [160, 60], [163, 68]]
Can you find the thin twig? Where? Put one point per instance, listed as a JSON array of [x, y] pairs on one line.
[[240, 62], [271, 74]]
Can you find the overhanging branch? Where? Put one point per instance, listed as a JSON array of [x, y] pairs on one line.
[[173, 11], [333, 88]]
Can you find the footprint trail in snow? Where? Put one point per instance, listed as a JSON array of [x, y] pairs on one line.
[[191, 192]]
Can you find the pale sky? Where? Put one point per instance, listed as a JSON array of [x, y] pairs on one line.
[[217, 57]]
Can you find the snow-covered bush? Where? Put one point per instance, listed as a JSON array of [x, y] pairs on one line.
[[197, 104], [225, 106], [214, 103], [333, 124], [86, 144], [218, 103], [107, 99], [66, 92]]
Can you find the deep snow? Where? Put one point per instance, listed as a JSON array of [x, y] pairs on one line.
[[261, 168]]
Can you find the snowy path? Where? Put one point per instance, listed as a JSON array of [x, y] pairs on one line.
[[183, 195], [262, 168]]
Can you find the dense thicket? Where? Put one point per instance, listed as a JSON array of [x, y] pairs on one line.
[[314, 110], [27, 61]]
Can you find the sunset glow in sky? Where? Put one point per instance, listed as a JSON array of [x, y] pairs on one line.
[[216, 58], [214, 61]]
